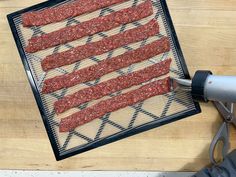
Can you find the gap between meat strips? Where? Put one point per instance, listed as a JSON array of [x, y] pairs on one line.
[[99, 47], [100, 109], [90, 27], [62, 12], [106, 66], [111, 86]]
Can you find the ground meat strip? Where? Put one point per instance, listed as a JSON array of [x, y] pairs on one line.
[[106, 66], [90, 27], [99, 47], [62, 12], [111, 86], [100, 109]]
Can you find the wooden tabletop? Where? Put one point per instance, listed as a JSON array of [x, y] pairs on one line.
[[207, 33]]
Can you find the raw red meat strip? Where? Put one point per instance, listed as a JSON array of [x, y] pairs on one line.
[[111, 86], [90, 27], [106, 66], [62, 12], [98, 110], [99, 47]]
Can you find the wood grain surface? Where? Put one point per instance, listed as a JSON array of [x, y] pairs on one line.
[[207, 33]]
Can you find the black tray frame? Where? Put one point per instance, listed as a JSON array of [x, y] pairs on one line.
[[109, 139]]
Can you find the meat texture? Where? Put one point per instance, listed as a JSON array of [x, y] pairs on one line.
[[113, 85], [62, 12], [106, 66], [100, 109], [99, 47], [90, 27]]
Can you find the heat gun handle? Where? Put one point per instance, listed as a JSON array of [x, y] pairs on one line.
[[208, 87], [221, 88]]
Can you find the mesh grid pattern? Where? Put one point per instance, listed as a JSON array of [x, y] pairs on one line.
[[111, 124]]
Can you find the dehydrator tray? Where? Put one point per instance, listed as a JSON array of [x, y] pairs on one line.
[[152, 113]]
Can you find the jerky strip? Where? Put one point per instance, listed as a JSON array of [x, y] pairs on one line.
[[106, 66], [90, 27], [111, 86], [113, 104], [97, 48], [62, 12]]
